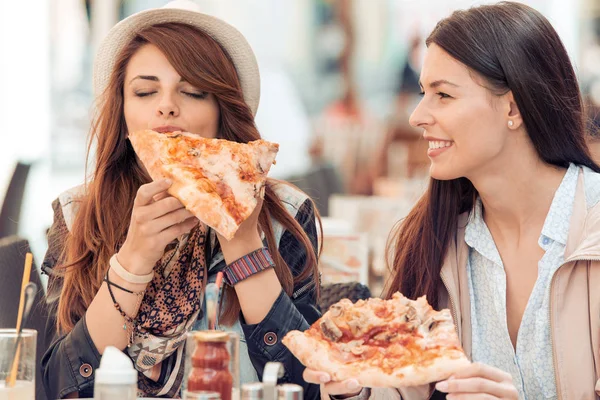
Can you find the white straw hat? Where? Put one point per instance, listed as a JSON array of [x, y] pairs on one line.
[[186, 12]]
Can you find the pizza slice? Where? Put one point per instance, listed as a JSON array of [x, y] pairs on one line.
[[381, 343], [219, 181]]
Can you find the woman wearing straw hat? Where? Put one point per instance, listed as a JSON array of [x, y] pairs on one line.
[[172, 69]]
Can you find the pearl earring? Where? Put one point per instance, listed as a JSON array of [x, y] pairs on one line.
[[510, 123]]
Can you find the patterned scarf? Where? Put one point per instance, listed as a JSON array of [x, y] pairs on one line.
[[168, 311]]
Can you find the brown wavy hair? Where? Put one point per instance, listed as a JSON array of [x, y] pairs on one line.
[[513, 48], [102, 220]]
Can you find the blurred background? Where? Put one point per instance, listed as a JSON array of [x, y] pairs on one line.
[[339, 80]]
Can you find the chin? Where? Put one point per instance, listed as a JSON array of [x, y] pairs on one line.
[[443, 173]]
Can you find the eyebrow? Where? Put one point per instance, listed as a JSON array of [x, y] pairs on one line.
[[150, 78], [438, 83]]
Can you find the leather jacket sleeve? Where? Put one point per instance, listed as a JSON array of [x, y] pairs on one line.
[[69, 363], [294, 312]]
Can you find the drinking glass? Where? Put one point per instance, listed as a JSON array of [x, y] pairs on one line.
[[24, 388]]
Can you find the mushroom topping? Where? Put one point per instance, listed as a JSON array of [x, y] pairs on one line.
[[385, 336], [354, 347], [330, 330], [336, 310], [411, 314], [432, 322]]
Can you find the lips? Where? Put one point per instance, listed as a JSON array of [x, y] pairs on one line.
[[167, 129], [437, 147]]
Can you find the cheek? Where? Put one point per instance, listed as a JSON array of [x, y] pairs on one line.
[[483, 138], [136, 117], [477, 141], [475, 130], [205, 120]]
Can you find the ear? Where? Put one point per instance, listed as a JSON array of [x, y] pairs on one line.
[[514, 119]]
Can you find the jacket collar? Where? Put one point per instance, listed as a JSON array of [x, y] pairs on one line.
[[584, 232]]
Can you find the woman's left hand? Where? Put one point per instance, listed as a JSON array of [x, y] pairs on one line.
[[246, 239], [479, 381]]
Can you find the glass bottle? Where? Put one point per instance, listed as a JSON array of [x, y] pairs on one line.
[[210, 364]]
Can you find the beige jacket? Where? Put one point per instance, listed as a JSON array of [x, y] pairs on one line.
[[575, 301]]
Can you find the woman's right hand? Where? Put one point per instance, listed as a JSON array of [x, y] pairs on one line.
[[347, 388], [479, 381], [156, 220]]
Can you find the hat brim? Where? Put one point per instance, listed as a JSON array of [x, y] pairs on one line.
[[234, 43]]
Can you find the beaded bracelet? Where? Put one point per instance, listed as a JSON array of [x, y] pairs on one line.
[[111, 283], [250, 264], [129, 324]]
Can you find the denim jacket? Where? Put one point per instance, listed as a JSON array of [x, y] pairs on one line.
[[69, 364]]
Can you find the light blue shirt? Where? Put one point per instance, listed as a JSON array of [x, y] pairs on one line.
[[531, 365]]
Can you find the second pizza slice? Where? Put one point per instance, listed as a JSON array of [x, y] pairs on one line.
[[381, 343], [219, 181]]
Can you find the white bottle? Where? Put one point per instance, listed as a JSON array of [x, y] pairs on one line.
[[116, 378]]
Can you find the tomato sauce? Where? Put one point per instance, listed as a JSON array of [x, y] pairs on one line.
[[210, 364]]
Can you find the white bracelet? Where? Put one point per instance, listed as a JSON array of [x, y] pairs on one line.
[[128, 276]]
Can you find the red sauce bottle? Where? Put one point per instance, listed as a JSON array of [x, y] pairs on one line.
[[210, 364]]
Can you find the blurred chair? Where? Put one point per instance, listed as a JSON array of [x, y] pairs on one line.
[[12, 260], [13, 200], [331, 294]]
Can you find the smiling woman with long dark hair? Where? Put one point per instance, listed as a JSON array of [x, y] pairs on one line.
[[508, 234]]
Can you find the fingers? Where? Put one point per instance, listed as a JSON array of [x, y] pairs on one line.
[[166, 221], [347, 387], [161, 208], [477, 385], [479, 379], [157, 209], [160, 196], [146, 192], [316, 377], [177, 230], [483, 371], [470, 396]]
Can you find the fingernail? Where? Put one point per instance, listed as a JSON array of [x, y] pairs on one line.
[[442, 386], [168, 181], [324, 378], [352, 385]]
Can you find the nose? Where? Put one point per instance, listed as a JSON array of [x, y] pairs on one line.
[[421, 116], [167, 107]]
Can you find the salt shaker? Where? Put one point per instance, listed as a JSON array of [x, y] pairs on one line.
[[289, 391], [116, 378], [253, 391]]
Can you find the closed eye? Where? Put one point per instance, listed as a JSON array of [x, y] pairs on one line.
[[144, 94], [199, 96]]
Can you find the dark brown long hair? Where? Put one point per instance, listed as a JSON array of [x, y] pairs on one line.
[[102, 221], [514, 48]]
